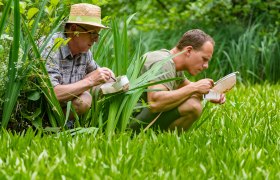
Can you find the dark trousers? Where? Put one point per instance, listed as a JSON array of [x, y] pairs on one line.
[[146, 116]]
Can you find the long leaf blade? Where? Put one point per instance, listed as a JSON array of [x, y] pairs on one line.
[[13, 87]]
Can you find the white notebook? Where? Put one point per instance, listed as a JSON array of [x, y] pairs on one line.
[[223, 85], [121, 84]]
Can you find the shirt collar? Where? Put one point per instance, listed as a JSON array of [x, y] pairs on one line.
[[65, 51]]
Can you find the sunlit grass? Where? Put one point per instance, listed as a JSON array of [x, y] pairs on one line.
[[253, 54], [237, 140]]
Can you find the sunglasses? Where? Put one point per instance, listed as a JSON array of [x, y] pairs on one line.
[[93, 35]]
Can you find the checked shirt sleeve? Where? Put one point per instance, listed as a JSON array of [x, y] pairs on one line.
[[52, 65]]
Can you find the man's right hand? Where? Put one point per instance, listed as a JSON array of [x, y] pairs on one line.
[[99, 76], [203, 86]]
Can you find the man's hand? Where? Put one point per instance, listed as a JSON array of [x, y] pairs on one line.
[[203, 86], [99, 76], [222, 100]]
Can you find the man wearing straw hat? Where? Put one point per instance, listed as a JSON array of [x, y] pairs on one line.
[[177, 104], [71, 68]]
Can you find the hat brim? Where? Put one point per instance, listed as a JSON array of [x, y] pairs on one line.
[[88, 23]]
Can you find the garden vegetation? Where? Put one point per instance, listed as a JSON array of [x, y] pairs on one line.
[[239, 139]]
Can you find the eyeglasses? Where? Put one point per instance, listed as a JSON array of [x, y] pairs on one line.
[[93, 35]]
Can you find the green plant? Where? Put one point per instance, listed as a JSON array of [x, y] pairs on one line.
[[13, 84], [19, 66], [253, 56]]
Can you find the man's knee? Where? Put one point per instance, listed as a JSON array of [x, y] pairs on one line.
[[191, 106], [190, 111], [82, 103]]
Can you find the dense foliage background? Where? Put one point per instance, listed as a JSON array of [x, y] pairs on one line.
[[243, 31]]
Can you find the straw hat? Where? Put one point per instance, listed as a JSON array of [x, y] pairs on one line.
[[87, 14]]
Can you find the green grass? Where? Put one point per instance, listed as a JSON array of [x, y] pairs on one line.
[[237, 140]]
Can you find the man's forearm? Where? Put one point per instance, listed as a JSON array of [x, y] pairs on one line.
[[166, 100], [70, 91]]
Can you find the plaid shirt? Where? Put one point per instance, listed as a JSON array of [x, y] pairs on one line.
[[63, 68]]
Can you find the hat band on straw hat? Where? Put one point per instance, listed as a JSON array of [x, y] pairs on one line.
[[85, 19]]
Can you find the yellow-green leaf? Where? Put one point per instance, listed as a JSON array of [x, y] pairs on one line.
[[54, 2], [48, 9], [30, 23], [31, 12], [58, 42], [22, 7]]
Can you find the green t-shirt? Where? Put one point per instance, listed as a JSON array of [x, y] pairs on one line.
[[169, 66]]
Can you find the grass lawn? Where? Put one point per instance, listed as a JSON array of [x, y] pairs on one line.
[[237, 140]]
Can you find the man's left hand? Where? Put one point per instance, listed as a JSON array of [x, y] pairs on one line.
[[222, 100]]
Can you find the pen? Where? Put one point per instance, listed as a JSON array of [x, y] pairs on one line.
[[113, 79]]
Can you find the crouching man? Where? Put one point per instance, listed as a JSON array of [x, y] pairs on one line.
[[177, 104], [71, 67]]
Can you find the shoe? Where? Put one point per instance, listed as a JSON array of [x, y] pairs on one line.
[[70, 124]]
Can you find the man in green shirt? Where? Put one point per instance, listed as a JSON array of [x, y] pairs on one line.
[[178, 103]]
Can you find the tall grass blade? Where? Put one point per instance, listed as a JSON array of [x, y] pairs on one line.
[[13, 86]]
